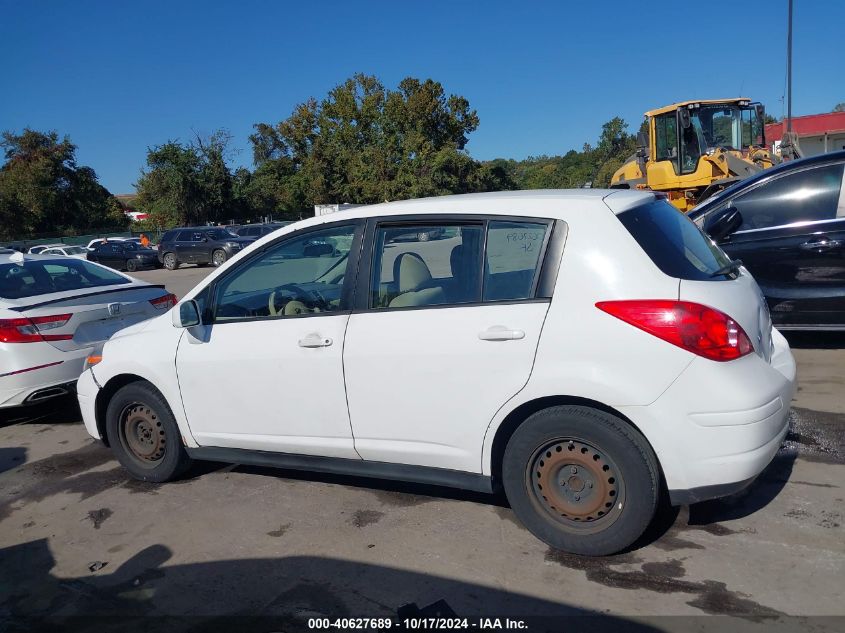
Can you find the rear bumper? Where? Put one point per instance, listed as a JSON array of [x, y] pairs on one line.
[[720, 424], [35, 374]]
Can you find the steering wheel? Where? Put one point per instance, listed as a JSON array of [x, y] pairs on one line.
[[294, 304]]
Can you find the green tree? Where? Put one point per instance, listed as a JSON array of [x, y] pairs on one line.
[[42, 189], [365, 143], [191, 183]]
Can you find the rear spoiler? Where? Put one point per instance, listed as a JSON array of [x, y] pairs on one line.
[[89, 294]]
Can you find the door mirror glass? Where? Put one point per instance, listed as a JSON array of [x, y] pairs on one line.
[[722, 223], [683, 114], [188, 314]]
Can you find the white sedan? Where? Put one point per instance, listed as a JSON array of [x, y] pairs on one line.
[[79, 252], [54, 311]]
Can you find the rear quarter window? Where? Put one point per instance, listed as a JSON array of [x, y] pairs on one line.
[[673, 242]]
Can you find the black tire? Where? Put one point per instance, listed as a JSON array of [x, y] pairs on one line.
[[592, 463], [219, 257], [131, 265], [143, 434], [170, 262]]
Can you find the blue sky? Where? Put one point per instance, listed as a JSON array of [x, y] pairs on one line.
[[121, 76]]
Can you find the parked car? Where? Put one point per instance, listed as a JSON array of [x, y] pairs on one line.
[[580, 349], [260, 230], [79, 252], [53, 312], [100, 240], [39, 248], [124, 255], [199, 245], [787, 225]]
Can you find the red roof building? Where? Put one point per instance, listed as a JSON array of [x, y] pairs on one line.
[[817, 133]]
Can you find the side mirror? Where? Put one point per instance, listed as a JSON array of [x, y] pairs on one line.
[[760, 111], [723, 223], [187, 314], [683, 115]]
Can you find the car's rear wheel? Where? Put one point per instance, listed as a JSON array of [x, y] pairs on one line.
[[423, 236], [218, 257], [131, 265], [581, 480], [170, 261], [144, 435]]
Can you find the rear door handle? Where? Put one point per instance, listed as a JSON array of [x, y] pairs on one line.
[[500, 333], [315, 340], [820, 243]]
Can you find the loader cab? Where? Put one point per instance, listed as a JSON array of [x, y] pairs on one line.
[[682, 134]]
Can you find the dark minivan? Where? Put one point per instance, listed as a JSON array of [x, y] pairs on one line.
[[199, 245], [787, 225]]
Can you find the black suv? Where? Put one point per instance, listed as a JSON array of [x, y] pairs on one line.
[[199, 245]]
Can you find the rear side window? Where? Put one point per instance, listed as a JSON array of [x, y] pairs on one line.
[[513, 257], [30, 279], [803, 196], [673, 242]]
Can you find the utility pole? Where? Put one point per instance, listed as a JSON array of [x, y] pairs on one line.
[[789, 143], [789, 72]]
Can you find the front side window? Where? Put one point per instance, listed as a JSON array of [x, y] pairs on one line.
[[426, 265], [302, 275], [512, 259], [808, 195]]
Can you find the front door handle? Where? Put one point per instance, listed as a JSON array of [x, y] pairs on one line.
[[315, 340], [821, 243], [500, 333]]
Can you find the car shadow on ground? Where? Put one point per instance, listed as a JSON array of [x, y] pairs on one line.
[[815, 340], [260, 594], [61, 410]]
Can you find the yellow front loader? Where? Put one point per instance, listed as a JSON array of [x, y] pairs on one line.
[[696, 148]]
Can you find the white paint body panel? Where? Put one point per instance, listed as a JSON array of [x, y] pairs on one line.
[[276, 396], [422, 385]]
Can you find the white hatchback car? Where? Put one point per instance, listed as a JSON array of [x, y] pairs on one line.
[[54, 311], [585, 350]]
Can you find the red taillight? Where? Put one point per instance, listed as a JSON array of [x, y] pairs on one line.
[[33, 330], [164, 303], [691, 326]]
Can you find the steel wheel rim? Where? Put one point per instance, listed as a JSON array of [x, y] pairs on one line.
[[575, 484], [142, 434], [219, 258]]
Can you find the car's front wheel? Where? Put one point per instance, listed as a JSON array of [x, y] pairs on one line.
[[144, 435], [170, 261], [581, 480], [218, 257], [131, 265]]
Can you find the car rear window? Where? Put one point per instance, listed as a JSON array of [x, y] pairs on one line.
[[673, 242], [31, 279]]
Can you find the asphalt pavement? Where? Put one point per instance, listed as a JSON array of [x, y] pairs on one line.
[[80, 539]]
